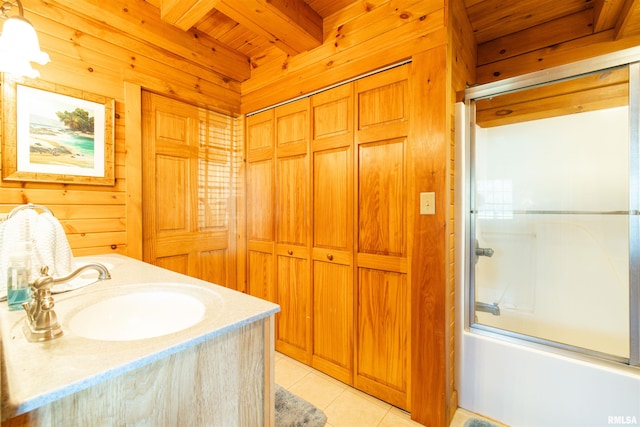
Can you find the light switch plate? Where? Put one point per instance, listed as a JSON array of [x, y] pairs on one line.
[[428, 203]]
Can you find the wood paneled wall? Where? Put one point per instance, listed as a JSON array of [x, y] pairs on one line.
[[558, 42], [462, 59], [119, 47], [91, 49], [357, 40]]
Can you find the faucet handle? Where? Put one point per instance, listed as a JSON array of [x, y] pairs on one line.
[[45, 281]]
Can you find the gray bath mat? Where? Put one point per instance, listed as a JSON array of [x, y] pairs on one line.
[[292, 411], [477, 422]]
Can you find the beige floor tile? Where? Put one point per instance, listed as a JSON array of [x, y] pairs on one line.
[[352, 409], [397, 418], [345, 406], [289, 371], [318, 389], [460, 417]]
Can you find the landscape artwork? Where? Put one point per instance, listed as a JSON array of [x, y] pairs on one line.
[[59, 134]]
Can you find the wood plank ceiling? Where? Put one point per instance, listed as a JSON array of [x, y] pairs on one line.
[[263, 30]]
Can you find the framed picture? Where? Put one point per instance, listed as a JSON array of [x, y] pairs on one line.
[[54, 133]]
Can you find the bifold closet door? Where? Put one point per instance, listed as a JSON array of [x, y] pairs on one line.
[[260, 206], [382, 289], [292, 248], [332, 147]]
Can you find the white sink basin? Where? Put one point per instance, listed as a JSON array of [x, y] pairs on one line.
[[138, 312]]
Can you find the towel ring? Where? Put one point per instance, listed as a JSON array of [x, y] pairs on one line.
[[29, 206]]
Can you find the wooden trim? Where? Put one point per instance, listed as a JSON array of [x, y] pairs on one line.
[[241, 211], [133, 171], [428, 156], [563, 53]]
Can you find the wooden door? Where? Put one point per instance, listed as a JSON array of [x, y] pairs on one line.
[[382, 290], [292, 248], [188, 203], [332, 256]]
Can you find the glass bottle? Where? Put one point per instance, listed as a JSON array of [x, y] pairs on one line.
[[18, 272]]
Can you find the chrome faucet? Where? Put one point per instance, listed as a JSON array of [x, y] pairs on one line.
[[103, 273], [42, 323]]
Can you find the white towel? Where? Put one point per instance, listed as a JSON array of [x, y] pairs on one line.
[[49, 245], [52, 246], [16, 229]]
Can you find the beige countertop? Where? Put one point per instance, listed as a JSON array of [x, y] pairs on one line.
[[35, 374]]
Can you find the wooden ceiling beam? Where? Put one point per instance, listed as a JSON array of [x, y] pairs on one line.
[[628, 23], [291, 25], [140, 19], [605, 14], [184, 14]]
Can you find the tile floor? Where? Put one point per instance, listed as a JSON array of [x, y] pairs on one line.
[[344, 405]]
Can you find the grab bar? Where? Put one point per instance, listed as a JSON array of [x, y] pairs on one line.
[[488, 308], [29, 206]]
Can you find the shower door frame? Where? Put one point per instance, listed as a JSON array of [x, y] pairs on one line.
[[629, 58]]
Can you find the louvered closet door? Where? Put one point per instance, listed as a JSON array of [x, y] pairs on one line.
[[332, 257], [382, 290]]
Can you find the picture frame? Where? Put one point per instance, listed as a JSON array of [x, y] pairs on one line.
[[54, 133]]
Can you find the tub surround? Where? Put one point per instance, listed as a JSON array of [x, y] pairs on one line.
[[229, 352]]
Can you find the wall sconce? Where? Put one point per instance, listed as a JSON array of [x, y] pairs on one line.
[[19, 44]]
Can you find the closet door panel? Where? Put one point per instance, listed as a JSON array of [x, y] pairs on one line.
[[260, 135], [382, 198], [332, 112], [292, 230], [260, 196], [260, 273], [292, 199], [382, 334], [383, 105], [293, 296], [381, 262], [261, 206], [332, 165], [332, 198], [333, 319]]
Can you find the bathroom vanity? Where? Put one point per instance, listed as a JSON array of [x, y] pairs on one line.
[[109, 368]]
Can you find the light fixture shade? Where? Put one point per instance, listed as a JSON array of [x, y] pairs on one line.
[[19, 46]]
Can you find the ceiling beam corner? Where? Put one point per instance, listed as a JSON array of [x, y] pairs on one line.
[[184, 14], [291, 25]]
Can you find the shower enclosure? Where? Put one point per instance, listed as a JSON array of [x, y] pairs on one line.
[[553, 209]]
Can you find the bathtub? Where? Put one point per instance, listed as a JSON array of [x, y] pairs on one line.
[[526, 384]]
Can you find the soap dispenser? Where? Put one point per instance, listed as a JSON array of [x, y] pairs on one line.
[[18, 272]]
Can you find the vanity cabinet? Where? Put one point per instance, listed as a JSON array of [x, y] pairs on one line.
[[217, 372], [338, 257]]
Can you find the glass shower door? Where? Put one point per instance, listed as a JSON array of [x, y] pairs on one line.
[[550, 213]]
